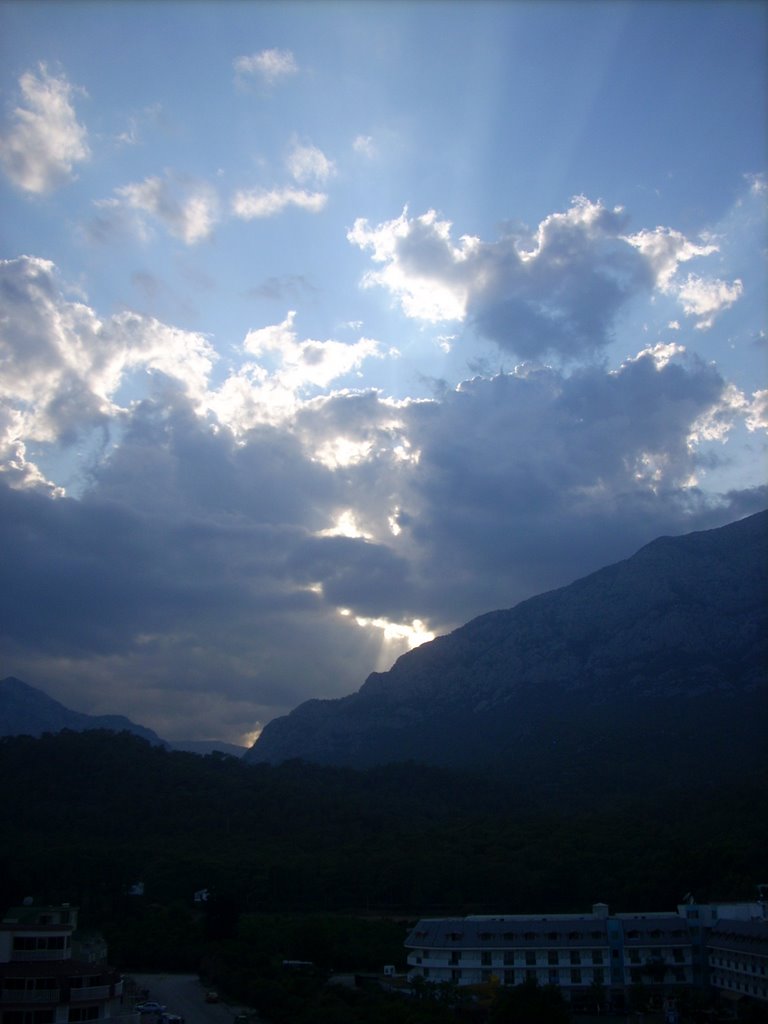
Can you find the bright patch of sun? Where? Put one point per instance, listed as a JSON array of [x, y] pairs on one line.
[[414, 633], [345, 526], [249, 738], [342, 452]]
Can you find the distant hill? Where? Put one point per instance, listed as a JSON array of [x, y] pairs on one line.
[[648, 671], [27, 711], [208, 747]]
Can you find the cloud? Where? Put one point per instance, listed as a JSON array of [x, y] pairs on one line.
[[704, 298], [45, 140], [269, 65], [364, 145], [249, 204], [62, 364], [308, 164], [301, 368], [200, 581], [187, 209], [699, 297], [241, 543], [422, 268], [282, 286], [757, 411], [554, 292]]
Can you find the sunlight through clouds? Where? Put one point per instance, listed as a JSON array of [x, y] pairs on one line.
[[289, 342]]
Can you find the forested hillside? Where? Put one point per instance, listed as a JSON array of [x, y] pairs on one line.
[[86, 815]]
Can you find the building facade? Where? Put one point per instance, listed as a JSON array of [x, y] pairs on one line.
[[40, 981], [598, 956]]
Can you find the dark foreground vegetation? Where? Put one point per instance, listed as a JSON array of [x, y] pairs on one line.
[[331, 865]]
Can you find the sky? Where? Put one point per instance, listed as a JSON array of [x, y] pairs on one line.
[[326, 327]]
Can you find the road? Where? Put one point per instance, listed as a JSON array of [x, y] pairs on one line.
[[184, 995]]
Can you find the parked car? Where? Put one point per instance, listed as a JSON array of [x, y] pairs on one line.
[[149, 1007], [211, 996], [172, 1018]]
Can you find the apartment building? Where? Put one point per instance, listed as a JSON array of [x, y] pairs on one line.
[[40, 981]]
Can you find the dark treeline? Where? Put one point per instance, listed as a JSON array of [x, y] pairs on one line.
[[85, 815]]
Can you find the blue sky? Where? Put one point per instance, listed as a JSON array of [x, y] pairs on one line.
[[329, 326]]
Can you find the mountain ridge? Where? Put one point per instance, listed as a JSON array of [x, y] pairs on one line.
[[27, 710], [682, 623]]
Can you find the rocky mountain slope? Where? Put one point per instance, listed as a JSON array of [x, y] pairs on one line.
[[654, 665]]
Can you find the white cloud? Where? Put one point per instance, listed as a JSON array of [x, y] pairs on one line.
[[46, 140], [699, 297], [62, 364], [704, 298], [252, 203], [187, 209], [757, 411], [269, 65], [364, 145], [308, 164], [557, 290], [422, 267], [257, 393], [665, 249]]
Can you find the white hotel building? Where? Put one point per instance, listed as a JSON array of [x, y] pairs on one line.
[[582, 953]]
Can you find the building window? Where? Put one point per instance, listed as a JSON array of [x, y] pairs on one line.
[[677, 956], [509, 977], [530, 957], [552, 956], [456, 976], [576, 976], [485, 958], [83, 1013], [553, 978], [575, 956], [599, 976], [455, 957], [28, 1017], [597, 956], [509, 958]]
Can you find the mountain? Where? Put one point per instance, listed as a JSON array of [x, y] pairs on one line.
[[649, 670], [27, 711]]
